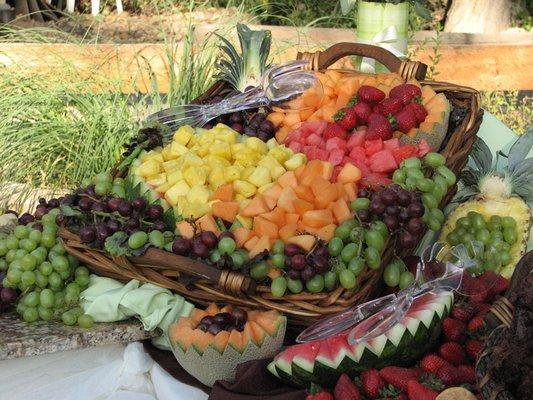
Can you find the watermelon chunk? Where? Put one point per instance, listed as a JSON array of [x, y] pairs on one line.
[[423, 148], [392, 144], [375, 180], [314, 140], [295, 136], [404, 152], [295, 147], [373, 146], [336, 156], [316, 127], [315, 153], [335, 143], [383, 161], [356, 139], [358, 155]]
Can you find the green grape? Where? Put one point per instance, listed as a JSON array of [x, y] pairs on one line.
[[351, 223], [59, 299], [505, 247], [342, 232], [3, 264], [28, 278], [349, 251], [433, 224], [406, 279], [410, 183], [295, 285], [440, 182], [119, 181], [16, 264], [381, 228], [237, 259], [347, 279], [467, 238], [259, 270], [356, 265], [58, 248], [60, 263], [3, 248], [215, 256], [11, 255], [438, 193], [508, 222], [31, 299], [45, 314], [356, 235], [48, 240], [20, 308], [482, 235], [226, 245], [374, 239], [362, 203], [35, 235], [330, 280], [41, 280], [103, 188], [12, 243], [30, 314], [425, 185], [447, 174], [278, 247], [495, 223], [82, 280], [47, 298], [118, 191], [137, 240], [414, 173], [54, 280], [40, 254], [48, 219], [278, 286], [464, 222], [69, 318], [85, 321], [14, 275], [168, 247], [20, 253], [391, 274], [315, 284], [278, 260], [20, 232], [73, 287], [509, 235], [65, 275], [50, 229], [496, 235], [399, 176], [28, 262], [156, 239], [434, 160], [54, 212], [372, 257], [429, 200], [71, 298], [335, 246], [103, 177], [437, 214], [505, 257], [412, 162], [72, 261], [77, 311], [479, 223], [244, 255]]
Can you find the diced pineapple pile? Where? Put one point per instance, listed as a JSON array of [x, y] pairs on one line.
[[189, 169]]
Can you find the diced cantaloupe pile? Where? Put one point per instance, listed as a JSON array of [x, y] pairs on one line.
[[200, 168], [320, 104]]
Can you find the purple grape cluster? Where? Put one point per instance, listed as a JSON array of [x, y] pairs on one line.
[[149, 138], [300, 265], [225, 321], [399, 209], [8, 296]]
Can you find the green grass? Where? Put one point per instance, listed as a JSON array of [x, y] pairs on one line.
[[511, 108]]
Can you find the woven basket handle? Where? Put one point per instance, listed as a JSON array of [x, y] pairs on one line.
[[228, 281], [320, 60]]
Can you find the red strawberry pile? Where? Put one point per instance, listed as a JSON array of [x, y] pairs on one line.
[[451, 364]]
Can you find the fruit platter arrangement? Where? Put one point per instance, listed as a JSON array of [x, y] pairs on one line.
[[288, 195]]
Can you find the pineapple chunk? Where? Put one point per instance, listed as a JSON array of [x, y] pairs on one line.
[[245, 221], [195, 210], [149, 167], [181, 204], [247, 158], [240, 198], [153, 155], [237, 148], [271, 143], [216, 160], [280, 154], [244, 188], [174, 177], [171, 165], [217, 176], [227, 135], [246, 172], [264, 188], [256, 145], [195, 175], [260, 176], [295, 161], [221, 149], [232, 173], [203, 150], [184, 134], [198, 194], [178, 149], [164, 187], [167, 154], [157, 180], [180, 188], [191, 160], [275, 168]]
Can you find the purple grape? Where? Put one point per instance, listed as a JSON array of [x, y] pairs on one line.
[[389, 197], [87, 234], [227, 234], [249, 131], [38, 226], [292, 250], [90, 190], [224, 318], [214, 329], [26, 218], [298, 261], [416, 197], [158, 226], [99, 207], [267, 126], [415, 226], [40, 211], [132, 223], [237, 127], [307, 273], [200, 250], [42, 201], [236, 118], [407, 240], [85, 203], [322, 251], [404, 198], [416, 210], [403, 215], [114, 203], [293, 274], [376, 207], [139, 204], [8, 295], [392, 210], [155, 212], [364, 215], [53, 203], [209, 239], [125, 209], [320, 264], [60, 219], [113, 225], [363, 193], [239, 315], [181, 246], [208, 320], [264, 136], [391, 222], [203, 327], [411, 262], [395, 188]]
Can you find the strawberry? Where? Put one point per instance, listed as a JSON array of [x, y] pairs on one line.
[[399, 377], [405, 120], [476, 324], [363, 112], [476, 288], [406, 92], [334, 130], [345, 389], [418, 110], [379, 127], [481, 308], [417, 391], [370, 95], [320, 396], [473, 347], [463, 312], [452, 352], [449, 375], [388, 107], [497, 283], [454, 329], [372, 382], [346, 118], [468, 373], [431, 363]]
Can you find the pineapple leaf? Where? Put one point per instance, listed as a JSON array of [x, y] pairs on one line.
[[465, 194], [470, 177], [482, 156], [520, 149], [523, 180]]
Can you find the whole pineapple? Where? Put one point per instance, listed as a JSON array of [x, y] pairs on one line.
[[497, 191]]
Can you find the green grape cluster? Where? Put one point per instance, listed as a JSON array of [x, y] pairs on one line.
[[49, 279], [104, 185], [489, 240], [396, 274], [412, 176]]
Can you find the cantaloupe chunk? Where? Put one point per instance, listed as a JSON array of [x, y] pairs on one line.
[[288, 179], [292, 218], [305, 242], [181, 335], [328, 111], [327, 170], [316, 116], [271, 202], [306, 113], [341, 211], [351, 191], [288, 231], [292, 118], [269, 325], [201, 340], [326, 232], [286, 199], [212, 309], [302, 206], [197, 315], [333, 75], [427, 94], [273, 273], [277, 216], [258, 333], [220, 341], [341, 194], [324, 192], [256, 207], [282, 133], [226, 308], [317, 218], [263, 227], [262, 244], [349, 174], [313, 169], [306, 228], [186, 229], [227, 210], [250, 244], [207, 224], [273, 191], [276, 118], [242, 235], [224, 192], [305, 193], [299, 171], [235, 340]]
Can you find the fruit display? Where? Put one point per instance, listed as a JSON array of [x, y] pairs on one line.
[[210, 343], [495, 210]]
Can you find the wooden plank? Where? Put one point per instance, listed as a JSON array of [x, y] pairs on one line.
[[483, 65]]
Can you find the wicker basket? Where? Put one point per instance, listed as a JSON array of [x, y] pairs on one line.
[[165, 269]]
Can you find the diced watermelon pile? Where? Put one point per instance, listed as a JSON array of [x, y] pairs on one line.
[[377, 159]]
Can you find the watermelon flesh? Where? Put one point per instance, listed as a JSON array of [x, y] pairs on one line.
[[323, 361]]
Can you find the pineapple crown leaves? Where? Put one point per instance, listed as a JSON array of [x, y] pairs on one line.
[[419, 6]]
